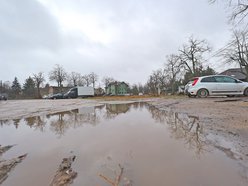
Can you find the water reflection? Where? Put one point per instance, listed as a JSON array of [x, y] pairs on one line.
[[182, 126], [61, 122], [112, 110], [36, 122]]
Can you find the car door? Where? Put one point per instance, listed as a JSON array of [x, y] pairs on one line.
[[228, 85], [209, 83]]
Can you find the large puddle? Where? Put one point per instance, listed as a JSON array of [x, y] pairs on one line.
[[153, 147]]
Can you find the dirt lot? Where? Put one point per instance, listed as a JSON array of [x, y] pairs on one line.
[[224, 120]]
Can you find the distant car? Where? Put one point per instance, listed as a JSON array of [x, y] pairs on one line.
[[3, 97], [57, 96], [46, 96], [214, 85]]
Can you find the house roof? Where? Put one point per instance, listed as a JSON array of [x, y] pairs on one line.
[[235, 72], [117, 83]]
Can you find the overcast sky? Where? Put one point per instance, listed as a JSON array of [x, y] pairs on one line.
[[124, 39]]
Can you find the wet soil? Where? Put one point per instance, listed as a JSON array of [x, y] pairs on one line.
[[6, 166], [225, 120], [162, 142]]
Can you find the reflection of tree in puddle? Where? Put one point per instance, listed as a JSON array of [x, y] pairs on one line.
[[182, 126], [60, 122], [16, 122], [5, 122], [36, 122]]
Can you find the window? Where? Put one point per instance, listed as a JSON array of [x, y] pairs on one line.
[[219, 79], [224, 79], [229, 80], [208, 80]]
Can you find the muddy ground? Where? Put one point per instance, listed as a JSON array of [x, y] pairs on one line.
[[225, 122]]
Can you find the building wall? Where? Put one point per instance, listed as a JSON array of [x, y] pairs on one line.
[[113, 89], [122, 89], [117, 89]]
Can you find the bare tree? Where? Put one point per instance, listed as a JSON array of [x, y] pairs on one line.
[[152, 84], [236, 51], [134, 89], [81, 81], [157, 81], [191, 54], [238, 8], [87, 79], [38, 80], [93, 78], [58, 74], [107, 80], [162, 78], [73, 78], [173, 66]]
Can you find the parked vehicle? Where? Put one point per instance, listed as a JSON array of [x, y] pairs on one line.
[[48, 96], [3, 97], [216, 85], [57, 96], [187, 86], [79, 92]]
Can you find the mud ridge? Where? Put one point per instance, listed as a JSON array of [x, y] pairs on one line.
[[64, 175]]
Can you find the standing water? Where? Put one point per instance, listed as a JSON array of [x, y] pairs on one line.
[[152, 147]]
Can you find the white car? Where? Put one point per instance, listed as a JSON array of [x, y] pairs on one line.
[[216, 85]]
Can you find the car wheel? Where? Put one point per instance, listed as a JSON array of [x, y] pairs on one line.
[[202, 93], [246, 92]]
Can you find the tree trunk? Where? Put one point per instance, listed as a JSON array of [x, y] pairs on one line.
[[38, 93]]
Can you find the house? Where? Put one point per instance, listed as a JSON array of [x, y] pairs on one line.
[[236, 73], [117, 88]]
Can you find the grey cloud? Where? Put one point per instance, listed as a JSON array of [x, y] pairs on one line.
[[31, 37], [27, 25]]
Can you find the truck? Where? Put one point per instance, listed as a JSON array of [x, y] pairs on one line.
[[79, 91]]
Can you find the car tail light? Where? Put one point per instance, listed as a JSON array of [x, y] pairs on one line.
[[195, 81]]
